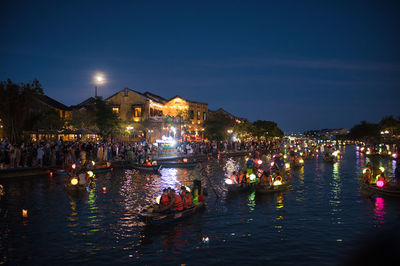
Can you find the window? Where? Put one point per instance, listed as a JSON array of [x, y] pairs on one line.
[[191, 114], [115, 110], [138, 111], [198, 115], [204, 116]]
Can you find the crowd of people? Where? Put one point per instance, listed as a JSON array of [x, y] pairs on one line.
[[60, 153]]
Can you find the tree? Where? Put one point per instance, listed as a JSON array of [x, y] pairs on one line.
[[106, 120], [391, 124], [17, 105], [48, 120], [244, 129], [364, 130], [266, 129], [217, 126]]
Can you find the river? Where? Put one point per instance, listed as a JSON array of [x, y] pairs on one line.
[[321, 221]]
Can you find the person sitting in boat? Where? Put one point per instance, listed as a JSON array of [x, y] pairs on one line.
[[234, 178], [165, 200], [241, 177], [176, 203], [187, 198]]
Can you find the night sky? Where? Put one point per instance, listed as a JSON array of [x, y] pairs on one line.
[[304, 64]]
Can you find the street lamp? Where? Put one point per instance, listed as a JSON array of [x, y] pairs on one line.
[[98, 80]]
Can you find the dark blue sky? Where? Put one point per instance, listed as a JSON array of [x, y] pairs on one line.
[[304, 64]]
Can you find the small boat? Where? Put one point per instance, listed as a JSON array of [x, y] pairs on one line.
[[242, 187], [146, 168], [178, 165], [148, 216], [97, 168], [265, 189], [387, 190], [329, 159]]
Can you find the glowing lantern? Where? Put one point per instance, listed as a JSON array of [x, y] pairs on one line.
[[93, 163], [285, 156], [24, 213], [90, 173], [74, 181], [188, 189], [335, 153], [73, 166], [228, 181], [380, 183], [104, 189], [158, 199], [301, 161], [287, 165], [394, 155], [51, 174], [272, 164], [259, 162], [382, 169], [185, 160], [277, 183], [365, 170], [252, 177], [301, 154]]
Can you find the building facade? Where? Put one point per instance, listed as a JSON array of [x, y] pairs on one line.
[[156, 117]]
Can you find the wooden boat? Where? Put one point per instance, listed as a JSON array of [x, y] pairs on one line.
[[329, 159], [265, 189], [242, 187], [178, 165], [23, 172], [146, 168], [97, 168], [387, 190], [147, 216]]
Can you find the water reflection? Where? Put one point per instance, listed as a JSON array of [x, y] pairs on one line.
[[379, 210], [335, 194]]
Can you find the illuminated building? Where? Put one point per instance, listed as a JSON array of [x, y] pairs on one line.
[[174, 117]]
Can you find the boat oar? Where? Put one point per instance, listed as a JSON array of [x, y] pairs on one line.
[[209, 181]]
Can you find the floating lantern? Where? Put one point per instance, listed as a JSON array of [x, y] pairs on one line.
[[382, 169], [252, 177], [259, 162], [74, 181], [205, 240], [104, 189], [185, 160], [228, 181], [301, 161], [187, 188], [24, 213], [285, 156], [51, 174], [93, 163], [380, 183], [287, 165], [277, 183], [90, 173], [73, 166], [395, 155], [272, 164]]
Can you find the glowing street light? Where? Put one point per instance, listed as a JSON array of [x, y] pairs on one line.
[[98, 80]]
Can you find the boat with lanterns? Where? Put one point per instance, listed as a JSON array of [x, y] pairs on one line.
[[331, 157], [148, 214], [93, 166], [388, 190], [275, 184], [148, 168]]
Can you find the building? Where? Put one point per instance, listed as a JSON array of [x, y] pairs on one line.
[[157, 116]]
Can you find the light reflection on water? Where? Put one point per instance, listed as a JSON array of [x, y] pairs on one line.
[[325, 205]]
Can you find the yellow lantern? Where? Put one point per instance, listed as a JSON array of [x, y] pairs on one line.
[[74, 181], [24, 213]]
